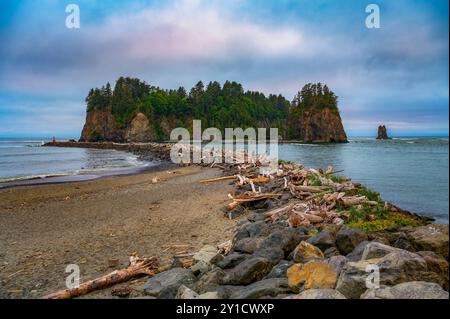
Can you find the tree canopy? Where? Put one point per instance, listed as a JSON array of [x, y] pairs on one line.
[[217, 106]]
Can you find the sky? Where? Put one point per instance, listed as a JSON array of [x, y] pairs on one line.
[[396, 75]]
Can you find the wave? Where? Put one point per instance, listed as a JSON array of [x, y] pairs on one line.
[[33, 177]]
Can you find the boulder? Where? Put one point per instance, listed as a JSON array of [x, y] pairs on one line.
[[305, 252], [324, 240], [210, 295], [330, 252], [208, 254], [401, 241], [209, 281], [267, 287], [337, 263], [166, 284], [247, 245], [396, 267], [437, 265], [348, 238], [186, 293], [231, 260], [318, 294], [357, 253], [279, 244], [311, 275], [432, 237], [408, 290], [279, 270], [248, 271], [376, 250], [201, 267]]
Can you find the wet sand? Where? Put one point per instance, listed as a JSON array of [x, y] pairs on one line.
[[43, 228]]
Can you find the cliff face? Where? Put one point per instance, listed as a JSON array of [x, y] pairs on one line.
[[140, 130], [319, 126], [100, 125]]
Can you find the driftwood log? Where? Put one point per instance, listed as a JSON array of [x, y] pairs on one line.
[[138, 267]]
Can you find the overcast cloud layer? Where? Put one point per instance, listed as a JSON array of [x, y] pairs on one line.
[[396, 75]]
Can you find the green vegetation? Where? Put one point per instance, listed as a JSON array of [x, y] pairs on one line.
[[217, 106], [375, 217]]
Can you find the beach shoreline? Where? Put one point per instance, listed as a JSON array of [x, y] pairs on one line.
[[43, 228]]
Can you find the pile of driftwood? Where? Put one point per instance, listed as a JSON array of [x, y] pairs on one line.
[[309, 204]]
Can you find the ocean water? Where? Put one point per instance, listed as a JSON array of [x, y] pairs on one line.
[[22, 160], [412, 173]]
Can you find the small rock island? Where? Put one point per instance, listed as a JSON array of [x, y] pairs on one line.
[[382, 133]]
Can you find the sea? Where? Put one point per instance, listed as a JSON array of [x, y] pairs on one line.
[[411, 172], [27, 161]]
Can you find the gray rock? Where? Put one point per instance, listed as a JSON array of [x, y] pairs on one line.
[[231, 260], [208, 254], [248, 271], [431, 237], [401, 241], [323, 240], [396, 267], [210, 295], [318, 294], [337, 263], [226, 291], [437, 265], [357, 253], [186, 293], [267, 287], [256, 217], [279, 270], [201, 267], [348, 238], [408, 290], [377, 250], [247, 245], [166, 284], [251, 230], [330, 252], [279, 244], [209, 281]]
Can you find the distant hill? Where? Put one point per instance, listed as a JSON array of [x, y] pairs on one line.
[[135, 111]]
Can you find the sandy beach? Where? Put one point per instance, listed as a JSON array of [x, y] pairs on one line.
[[43, 228]]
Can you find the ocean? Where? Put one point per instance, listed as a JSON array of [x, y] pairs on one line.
[[26, 161], [412, 173]]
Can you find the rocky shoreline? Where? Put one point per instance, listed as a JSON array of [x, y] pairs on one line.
[[307, 235]]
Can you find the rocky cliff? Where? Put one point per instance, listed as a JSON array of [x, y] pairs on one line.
[[100, 125], [140, 130], [319, 126]]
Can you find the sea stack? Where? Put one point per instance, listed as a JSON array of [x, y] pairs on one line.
[[382, 133], [315, 116]]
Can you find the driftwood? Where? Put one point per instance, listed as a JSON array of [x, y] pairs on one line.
[[138, 267], [225, 247], [223, 178], [252, 196], [356, 200]]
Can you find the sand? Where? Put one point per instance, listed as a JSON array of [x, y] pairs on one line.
[[44, 228]]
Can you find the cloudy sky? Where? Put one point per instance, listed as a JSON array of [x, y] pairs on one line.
[[397, 75]]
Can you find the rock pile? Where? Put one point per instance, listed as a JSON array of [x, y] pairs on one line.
[[299, 245]]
